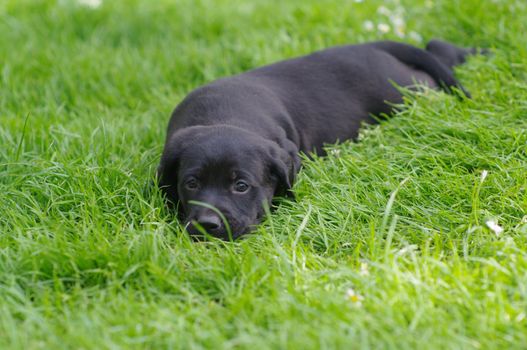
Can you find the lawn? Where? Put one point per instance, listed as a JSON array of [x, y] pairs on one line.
[[415, 237]]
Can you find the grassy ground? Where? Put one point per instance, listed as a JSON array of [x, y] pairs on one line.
[[386, 246]]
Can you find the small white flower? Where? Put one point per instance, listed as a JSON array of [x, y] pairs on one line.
[[484, 174], [384, 11], [398, 21], [408, 249], [493, 225], [364, 269], [91, 3], [383, 27], [415, 36], [368, 25], [399, 25], [355, 298], [335, 152], [399, 31]]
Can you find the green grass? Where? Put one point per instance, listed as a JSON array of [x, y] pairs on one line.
[[90, 258]]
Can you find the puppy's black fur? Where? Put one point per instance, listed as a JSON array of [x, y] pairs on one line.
[[233, 144]]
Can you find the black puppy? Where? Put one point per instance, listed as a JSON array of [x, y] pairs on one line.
[[233, 144]]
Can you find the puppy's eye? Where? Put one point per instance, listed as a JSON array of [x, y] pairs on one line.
[[241, 186], [191, 184]]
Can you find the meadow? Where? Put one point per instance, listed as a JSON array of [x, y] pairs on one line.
[[414, 237]]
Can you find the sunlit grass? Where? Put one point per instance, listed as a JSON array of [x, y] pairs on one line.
[[392, 242]]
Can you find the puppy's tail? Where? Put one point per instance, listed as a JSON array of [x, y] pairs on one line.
[[427, 62], [452, 55]]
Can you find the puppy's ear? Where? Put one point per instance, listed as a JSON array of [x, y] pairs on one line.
[[167, 187], [168, 168], [284, 165]]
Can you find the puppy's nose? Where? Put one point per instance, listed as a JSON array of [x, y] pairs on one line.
[[210, 222]]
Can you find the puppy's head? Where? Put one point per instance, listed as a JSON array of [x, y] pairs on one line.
[[223, 177]]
